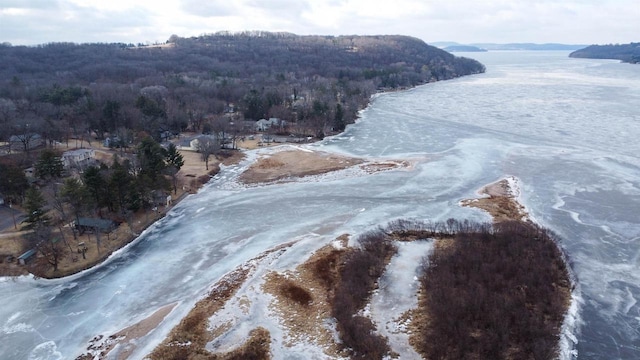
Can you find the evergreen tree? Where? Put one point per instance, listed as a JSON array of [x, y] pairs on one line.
[[77, 195], [174, 162], [338, 119], [152, 163], [120, 183], [49, 165], [34, 206], [96, 185], [13, 182]]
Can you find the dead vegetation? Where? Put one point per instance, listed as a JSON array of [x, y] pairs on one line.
[[300, 163], [335, 283], [316, 277], [189, 338], [499, 294], [287, 164], [500, 203]]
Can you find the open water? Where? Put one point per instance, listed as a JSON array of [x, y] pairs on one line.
[[567, 128]]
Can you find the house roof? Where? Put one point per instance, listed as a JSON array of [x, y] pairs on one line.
[[102, 224], [77, 152], [27, 254]]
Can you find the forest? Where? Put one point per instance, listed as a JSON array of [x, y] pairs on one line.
[[315, 83], [629, 53]]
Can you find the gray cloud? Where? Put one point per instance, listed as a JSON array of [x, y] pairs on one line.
[[72, 24], [209, 8], [29, 4], [602, 21]]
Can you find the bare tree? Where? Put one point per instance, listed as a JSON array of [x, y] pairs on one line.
[[50, 247], [207, 146]]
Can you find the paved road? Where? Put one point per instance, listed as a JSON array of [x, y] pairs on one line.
[[6, 219]]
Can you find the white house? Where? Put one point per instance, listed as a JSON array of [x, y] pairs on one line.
[[191, 144], [79, 158], [264, 124]]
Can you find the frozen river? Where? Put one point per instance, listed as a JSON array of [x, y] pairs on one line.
[[567, 128]]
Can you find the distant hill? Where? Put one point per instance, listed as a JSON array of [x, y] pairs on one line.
[[528, 46], [629, 53], [511, 46], [464, 48]]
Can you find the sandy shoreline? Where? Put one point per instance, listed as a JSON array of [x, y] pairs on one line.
[[500, 201], [101, 347]]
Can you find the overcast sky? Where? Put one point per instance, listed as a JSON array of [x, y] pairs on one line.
[[30, 22]]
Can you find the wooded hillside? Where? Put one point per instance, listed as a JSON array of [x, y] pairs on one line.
[[625, 52], [317, 83]]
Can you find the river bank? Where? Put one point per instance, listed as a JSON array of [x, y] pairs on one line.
[[309, 288], [283, 163]]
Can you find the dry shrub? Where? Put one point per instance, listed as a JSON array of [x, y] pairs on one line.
[[498, 294], [326, 268], [257, 347], [358, 278], [269, 163], [296, 293]]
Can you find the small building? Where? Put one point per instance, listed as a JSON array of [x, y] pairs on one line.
[[79, 158], [191, 143], [30, 173], [26, 257], [113, 141], [94, 224], [264, 124]]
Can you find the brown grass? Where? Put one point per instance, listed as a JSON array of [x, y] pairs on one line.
[[295, 293], [188, 339], [316, 276], [286, 164], [500, 203]]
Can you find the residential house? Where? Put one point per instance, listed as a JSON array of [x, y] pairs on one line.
[[79, 158], [264, 124], [111, 141], [94, 224], [191, 143]]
